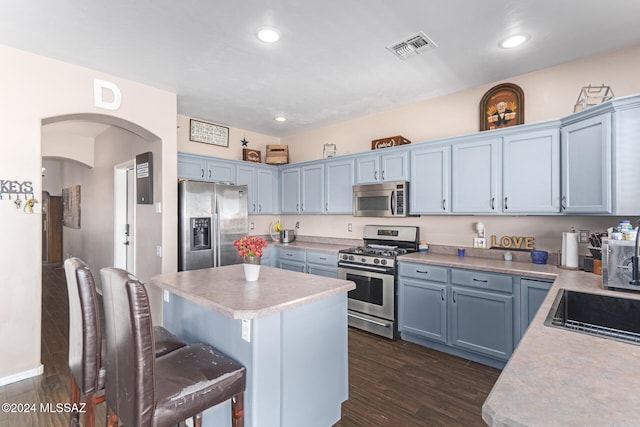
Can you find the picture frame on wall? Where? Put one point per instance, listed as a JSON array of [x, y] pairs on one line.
[[71, 206], [208, 133], [502, 106]]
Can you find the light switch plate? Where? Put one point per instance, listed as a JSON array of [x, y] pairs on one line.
[[246, 330], [583, 237]]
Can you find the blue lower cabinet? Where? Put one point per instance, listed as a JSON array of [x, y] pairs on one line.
[[472, 314], [533, 294], [423, 309], [482, 321]]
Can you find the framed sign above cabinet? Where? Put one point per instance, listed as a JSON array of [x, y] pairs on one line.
[[502, 106], [208, 133]]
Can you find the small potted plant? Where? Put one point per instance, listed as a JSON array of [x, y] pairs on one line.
[[250, 248]]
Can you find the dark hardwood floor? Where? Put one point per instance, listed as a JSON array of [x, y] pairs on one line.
[[398, 383], [390, 383]]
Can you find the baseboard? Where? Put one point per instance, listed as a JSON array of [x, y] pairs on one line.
[[22, 375]]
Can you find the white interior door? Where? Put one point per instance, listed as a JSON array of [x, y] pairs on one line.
[[124, 217]]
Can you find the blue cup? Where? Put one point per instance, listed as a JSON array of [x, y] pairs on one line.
[[460, 251], [539, 257]]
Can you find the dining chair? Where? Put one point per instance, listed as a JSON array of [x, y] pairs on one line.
[[86, 340], [142, 390]]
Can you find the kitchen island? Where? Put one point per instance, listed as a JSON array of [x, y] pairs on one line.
[[288, 329]]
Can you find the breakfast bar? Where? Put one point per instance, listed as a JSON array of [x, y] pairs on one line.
[[288, 329]]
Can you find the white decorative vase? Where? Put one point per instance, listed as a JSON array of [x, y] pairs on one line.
[[251, 268]]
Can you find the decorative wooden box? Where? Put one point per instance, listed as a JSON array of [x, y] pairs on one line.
[[391, 141], [277, 154], [251, 155]]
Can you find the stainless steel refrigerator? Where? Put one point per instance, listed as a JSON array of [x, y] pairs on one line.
[[211, 217]]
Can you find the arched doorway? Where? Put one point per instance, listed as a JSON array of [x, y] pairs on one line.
[[90, 150]]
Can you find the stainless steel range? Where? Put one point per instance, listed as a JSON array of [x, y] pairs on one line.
[[372, 267]]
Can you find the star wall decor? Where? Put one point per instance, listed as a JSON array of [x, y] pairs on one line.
[[244, 142]]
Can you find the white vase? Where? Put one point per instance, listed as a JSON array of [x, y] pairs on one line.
[[251, 272]]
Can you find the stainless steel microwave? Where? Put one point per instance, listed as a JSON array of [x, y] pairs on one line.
[[387, 199]]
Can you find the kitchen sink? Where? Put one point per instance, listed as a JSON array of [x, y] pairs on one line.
[[606, 316]]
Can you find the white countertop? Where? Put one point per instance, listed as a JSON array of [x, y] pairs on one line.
[[225, 290], [557, 377]]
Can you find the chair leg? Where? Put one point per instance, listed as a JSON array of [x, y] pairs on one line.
[[112, 418], [90, 410], [197, 420], [75, 400], [237, 410]]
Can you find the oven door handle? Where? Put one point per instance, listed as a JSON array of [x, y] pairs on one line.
[[355, 316], [362, 268]]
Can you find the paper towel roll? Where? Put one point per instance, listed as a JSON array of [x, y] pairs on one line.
[[570, 248]]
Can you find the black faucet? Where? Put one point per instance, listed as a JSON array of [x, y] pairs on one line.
[[635, 260]]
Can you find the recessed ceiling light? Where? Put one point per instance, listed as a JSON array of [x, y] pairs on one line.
[[280, 119], [268, 34], [514, 41]]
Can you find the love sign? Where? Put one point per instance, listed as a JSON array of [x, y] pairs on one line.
[[512, 242]]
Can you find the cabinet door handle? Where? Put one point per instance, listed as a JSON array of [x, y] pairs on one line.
[[209, 173], [254, 207], [383, 175], [289, 254], [375, 175], [202, 173], [326, 207], [302, 207], [422, 271], [444, 204], [442, 294], [259, 208], [505, 203], [480, 280], [563, 202], [493, 203], [454, 296], [298, 207]]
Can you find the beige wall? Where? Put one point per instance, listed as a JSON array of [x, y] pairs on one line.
[[35, 88], [257, 141], [549, 94]]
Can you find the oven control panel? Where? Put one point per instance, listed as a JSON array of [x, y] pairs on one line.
[[365, 260]]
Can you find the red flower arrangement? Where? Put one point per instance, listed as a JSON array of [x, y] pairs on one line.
[[250, 246]]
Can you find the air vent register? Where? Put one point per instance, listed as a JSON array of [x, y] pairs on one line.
[[412, 46]]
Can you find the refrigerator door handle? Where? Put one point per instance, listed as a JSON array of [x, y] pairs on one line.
[[216, 234]]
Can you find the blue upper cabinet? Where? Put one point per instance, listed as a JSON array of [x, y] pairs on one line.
[[312, 195], [475, 176], [368, 169], [395, 166], [586, 166], [338, 186], [291, 184], [429, 191], [261, 182], [221, 171], [191, 167], [531, 172], [377, 167]]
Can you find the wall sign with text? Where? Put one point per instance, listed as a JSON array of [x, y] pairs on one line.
[[208, 133], [512, 242]]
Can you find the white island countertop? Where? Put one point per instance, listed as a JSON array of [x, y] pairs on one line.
[[557, 377], [225, 290]]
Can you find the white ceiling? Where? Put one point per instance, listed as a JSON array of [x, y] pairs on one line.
[[330, 63]]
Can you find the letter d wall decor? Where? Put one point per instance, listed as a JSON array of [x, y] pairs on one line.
[[103, 87]]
